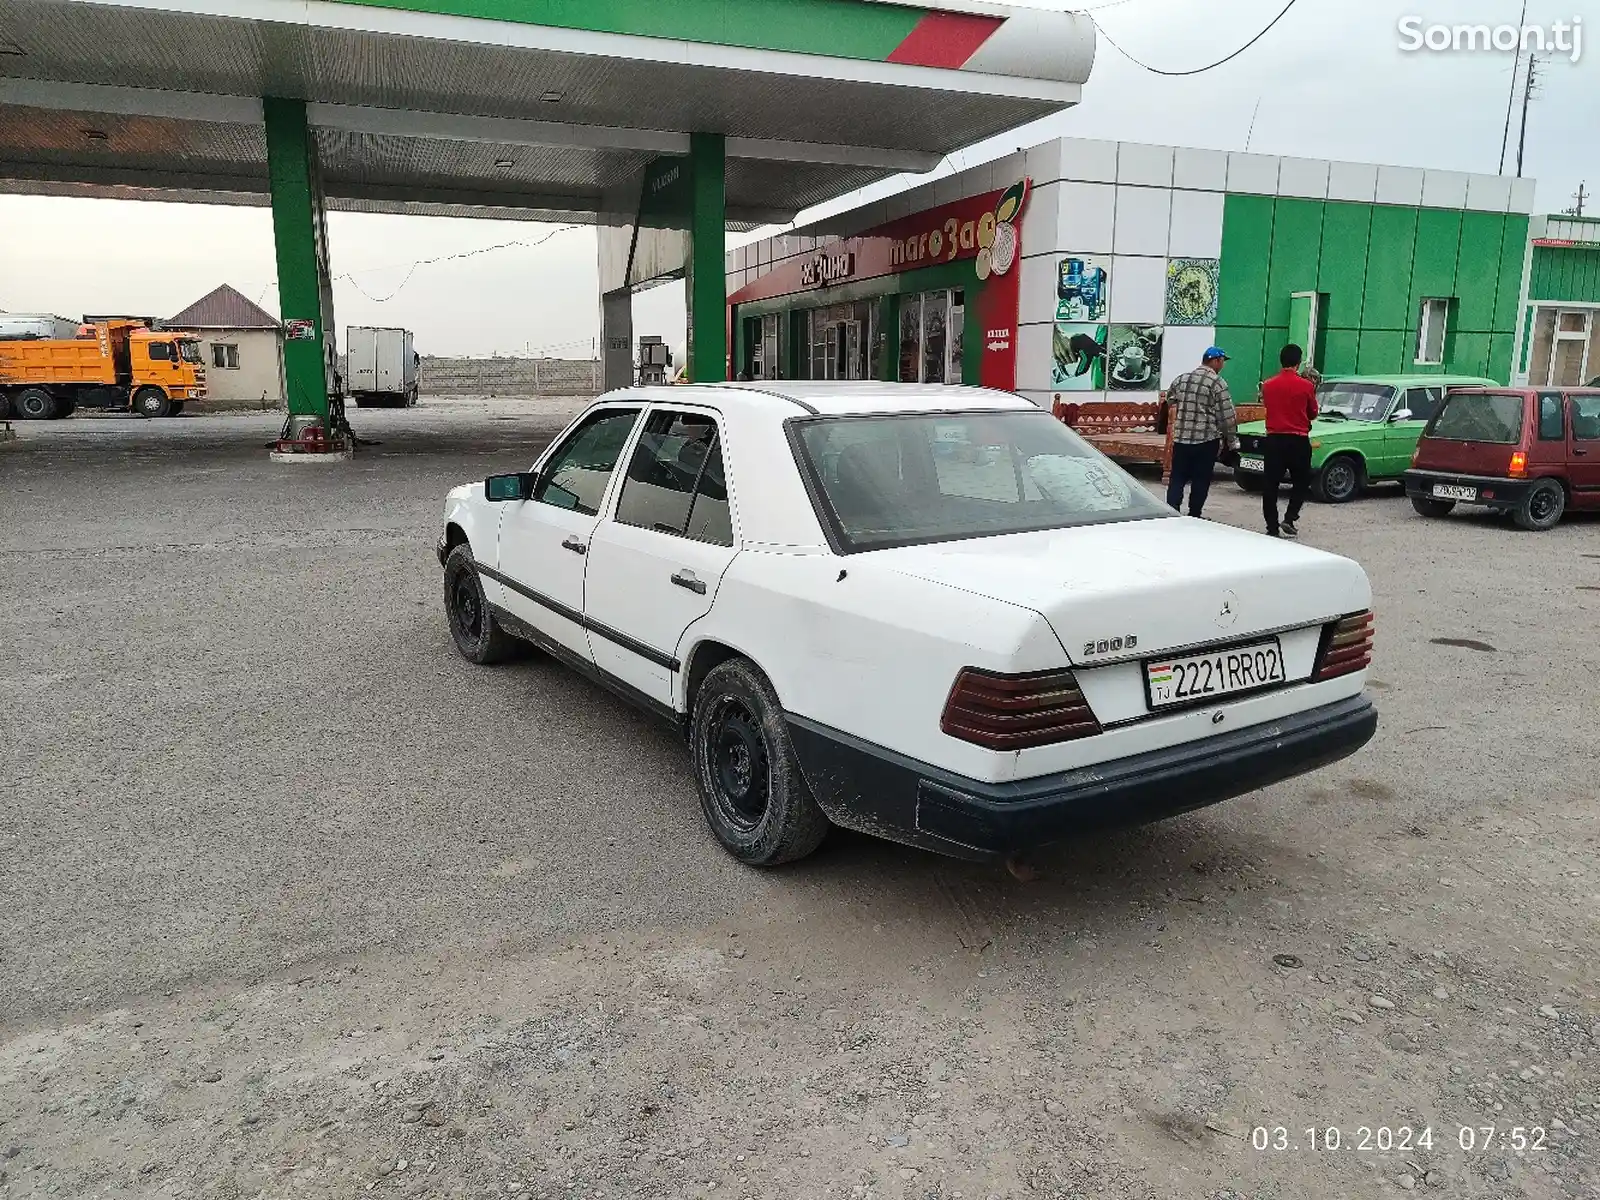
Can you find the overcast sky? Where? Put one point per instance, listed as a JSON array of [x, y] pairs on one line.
[[1330, 81]]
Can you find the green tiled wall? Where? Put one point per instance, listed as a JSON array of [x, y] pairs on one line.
[[1373, 264], [1342, 275], [1565, 273], [1508, 300], [1246, 257], [1296, 253]]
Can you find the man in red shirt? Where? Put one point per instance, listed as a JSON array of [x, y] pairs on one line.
[[1291, 401]]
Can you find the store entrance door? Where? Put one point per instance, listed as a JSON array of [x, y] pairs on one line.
[[931, 327], [839, 337]]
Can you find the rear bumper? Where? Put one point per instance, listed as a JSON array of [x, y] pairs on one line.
[[868, 788], [1493, 492]]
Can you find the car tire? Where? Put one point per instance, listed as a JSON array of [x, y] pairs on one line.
[[34, 404], [1427, 506], [1339, 481], [151, 402], [755, 798], [1542, 507], [477, 634], [1248, 483]]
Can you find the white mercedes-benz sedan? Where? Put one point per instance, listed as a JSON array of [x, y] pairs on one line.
[[933, 614]]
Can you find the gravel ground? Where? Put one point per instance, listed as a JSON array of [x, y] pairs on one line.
[[295, 902]]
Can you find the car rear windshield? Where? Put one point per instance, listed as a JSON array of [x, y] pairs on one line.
[[900, 480], [1479, 417]]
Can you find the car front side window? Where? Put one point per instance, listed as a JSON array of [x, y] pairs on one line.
[[1586, 418], [576, 476]]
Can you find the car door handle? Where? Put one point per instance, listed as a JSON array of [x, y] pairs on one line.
[[574, 545], [1576, 451], [686, 579]]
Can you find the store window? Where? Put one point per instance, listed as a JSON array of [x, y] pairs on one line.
[[1566, 347], [931, 349]]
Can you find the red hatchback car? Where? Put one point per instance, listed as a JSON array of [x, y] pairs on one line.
[[1530, 452]]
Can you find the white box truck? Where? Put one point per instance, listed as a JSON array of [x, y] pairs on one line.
[[44, 327], [382, 367]]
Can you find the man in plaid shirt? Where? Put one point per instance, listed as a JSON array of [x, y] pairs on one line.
[[1204, 429]]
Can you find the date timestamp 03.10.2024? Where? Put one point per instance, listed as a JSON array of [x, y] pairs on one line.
[[1384, 1139]]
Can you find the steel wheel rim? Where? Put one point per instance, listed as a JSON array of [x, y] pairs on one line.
[[1341, 479], [738, 763], [467, 608], [1542, 504]]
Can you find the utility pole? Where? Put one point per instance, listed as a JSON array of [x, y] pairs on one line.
[[1580, 196], [1527, 97], [1511, 95]]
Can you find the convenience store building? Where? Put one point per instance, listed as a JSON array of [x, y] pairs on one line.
[[1123, 262]]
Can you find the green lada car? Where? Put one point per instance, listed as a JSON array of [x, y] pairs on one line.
[[1365, 432]]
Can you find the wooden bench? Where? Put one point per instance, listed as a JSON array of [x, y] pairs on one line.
[[1129, 431], [1137, 431]]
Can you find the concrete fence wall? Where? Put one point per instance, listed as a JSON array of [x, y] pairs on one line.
[[510, 377]]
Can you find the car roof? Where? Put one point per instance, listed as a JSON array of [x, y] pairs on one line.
[[828, 398], [1501, 389], [1404, 380]]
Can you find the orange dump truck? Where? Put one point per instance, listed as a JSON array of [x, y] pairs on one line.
[[119, 365]]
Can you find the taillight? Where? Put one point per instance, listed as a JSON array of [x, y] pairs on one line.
[[1346, 647], [1519, 464], [1014, 712]]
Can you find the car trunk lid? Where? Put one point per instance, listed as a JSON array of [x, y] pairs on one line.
[[1145, 587]]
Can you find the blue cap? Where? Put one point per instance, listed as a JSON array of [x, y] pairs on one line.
[[1213, 352]]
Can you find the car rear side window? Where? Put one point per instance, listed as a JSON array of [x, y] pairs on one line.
[[1552, 417], [1479, 417], [1422, 402], [675, 482], [577, 474], [1586, 418]]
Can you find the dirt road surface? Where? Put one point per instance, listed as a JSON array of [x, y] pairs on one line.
[[296, 903]]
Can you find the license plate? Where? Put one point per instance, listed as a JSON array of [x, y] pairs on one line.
[[1451, 491], [1251, 464], [1199, 677]]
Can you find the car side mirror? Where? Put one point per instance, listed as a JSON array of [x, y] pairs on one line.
[[500, 488], [1403, 414]]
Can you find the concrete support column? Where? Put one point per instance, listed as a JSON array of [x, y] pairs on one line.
[[300, 234], [616, 339], [707, 283]]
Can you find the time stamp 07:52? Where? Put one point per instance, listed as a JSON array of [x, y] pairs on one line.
[[1382, 1139]]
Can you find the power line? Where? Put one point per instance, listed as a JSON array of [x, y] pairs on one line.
[[426, 262], [1195, 70], [443, 258]]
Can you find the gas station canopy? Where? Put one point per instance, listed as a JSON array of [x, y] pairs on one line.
[[516, 108], [665, 121]]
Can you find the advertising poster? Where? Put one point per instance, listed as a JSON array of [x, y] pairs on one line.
[[1079, 352], [1083, 288], [1192, 291], [1133, 357]]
